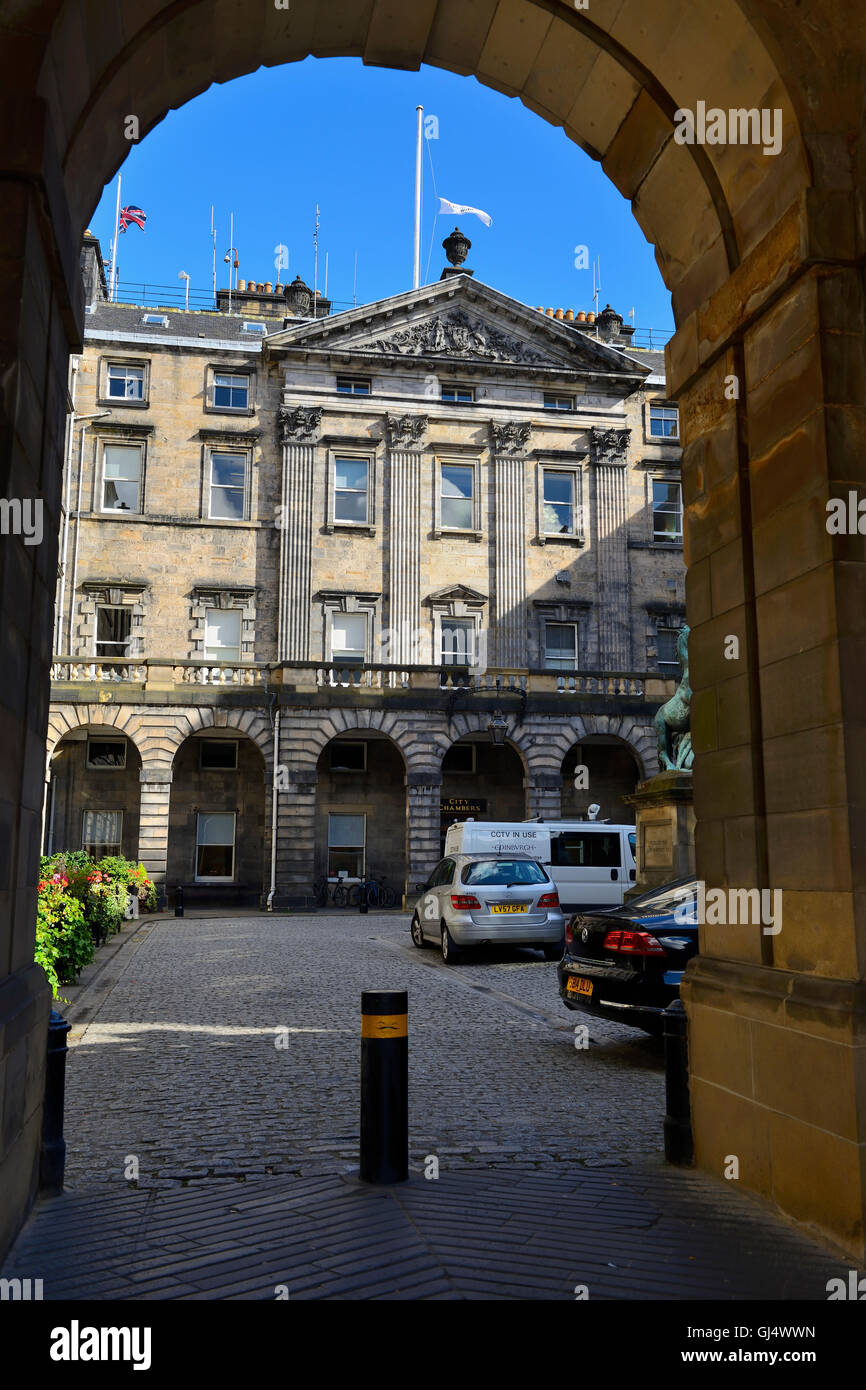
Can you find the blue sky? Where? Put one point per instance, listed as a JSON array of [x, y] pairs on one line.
[[271, 145]]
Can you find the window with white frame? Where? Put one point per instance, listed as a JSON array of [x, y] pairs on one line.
[[121, 477], [353, 385], [106, 752], [228, 486], [559, 502], [347, 836], [215, 846], [458, 395], [560, 646], [348, 638], [552, 401], [231, 391], [457, 642], [125, 382], [667, 510], [222, 640], [113, 631], [664, 421], [667, 636], [101, 833], [351, 490], [457, 497]]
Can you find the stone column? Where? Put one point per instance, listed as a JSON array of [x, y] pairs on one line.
[[298, 433], [405, 443], [423, 793], [153, 822], [610, 457], [509, 444], [774, 430]]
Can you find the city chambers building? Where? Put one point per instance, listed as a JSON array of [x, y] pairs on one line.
[[329, 581]]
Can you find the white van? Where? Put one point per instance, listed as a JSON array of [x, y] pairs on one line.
[[591, 863]]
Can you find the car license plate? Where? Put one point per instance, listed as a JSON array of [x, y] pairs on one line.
[[508, 907], [577, 985]]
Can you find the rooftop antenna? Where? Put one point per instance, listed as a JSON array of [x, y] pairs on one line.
[[316, 266], [182, 275], [113, 286], [355, 284], [326, 275], [596, 281]]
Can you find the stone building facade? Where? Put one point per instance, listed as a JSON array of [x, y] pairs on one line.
[[328, 581]]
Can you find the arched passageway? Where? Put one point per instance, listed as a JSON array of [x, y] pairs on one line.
[[600, 770], [481, 781], [93, 793], [360, 817], [761, 245], [216, 822]]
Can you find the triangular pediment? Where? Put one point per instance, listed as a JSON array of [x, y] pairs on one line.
[[457, 322], [460, 593]]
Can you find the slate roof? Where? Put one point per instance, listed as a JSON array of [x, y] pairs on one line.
[[182, 323]]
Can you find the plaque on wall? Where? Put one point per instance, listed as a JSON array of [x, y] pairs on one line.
[[463, 805], [657, 848]]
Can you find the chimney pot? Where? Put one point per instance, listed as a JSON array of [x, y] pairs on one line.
[[590, 318], [581, 318], [549, 313], [242, 284], [559, 314], [269, 289], [569, 316]]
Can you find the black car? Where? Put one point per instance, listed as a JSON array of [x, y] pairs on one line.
[[626, 963]]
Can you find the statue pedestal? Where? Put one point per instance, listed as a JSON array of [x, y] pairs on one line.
[[665, 830]]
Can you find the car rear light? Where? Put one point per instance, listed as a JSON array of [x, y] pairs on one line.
[[464, 902], [633, 943], [569, 934], [548, 900]]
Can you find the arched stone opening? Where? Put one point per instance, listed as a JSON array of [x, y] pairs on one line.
[[360, 817], [214, 811], [765, 270], [93, 795], [481, 781], [601, 770]]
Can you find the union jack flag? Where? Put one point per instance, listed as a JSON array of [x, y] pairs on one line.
[[132, 214]]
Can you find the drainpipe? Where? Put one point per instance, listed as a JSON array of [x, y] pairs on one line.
[[281, 623], [270, 902], [67, 486]]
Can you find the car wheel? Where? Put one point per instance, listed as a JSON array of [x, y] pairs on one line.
[[552, 952], [450, 953], [417, 933]]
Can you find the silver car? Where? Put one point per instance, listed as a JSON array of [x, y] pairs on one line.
[[481, 899]]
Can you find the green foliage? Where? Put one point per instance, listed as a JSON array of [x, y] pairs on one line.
[[81, 902]]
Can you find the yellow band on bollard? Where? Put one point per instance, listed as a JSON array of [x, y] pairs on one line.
[[384, 1025]]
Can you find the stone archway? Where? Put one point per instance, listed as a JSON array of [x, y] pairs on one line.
[[613, 771], [765, 271]]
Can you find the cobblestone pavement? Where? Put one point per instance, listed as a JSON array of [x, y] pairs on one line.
[[178, 1067], [551, 1177]]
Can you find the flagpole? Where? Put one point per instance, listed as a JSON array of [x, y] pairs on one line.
[[213, 239], [114, 251], [416, 264], [316, 266]]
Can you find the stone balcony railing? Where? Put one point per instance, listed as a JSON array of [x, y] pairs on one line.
[[152, 673]]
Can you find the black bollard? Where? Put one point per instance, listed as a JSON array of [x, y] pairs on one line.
[[363, 904], [679, 1144], [52, 1158], [384, 1086], [178, 900]]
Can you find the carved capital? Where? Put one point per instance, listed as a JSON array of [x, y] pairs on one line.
[[298, 424], [406, 431], [610, 446], [510, 438]]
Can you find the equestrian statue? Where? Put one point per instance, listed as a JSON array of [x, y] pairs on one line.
[[673, 720]]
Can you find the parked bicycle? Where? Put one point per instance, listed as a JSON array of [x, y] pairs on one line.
[[377, 893]]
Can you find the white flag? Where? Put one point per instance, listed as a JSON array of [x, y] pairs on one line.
[[460, 209]]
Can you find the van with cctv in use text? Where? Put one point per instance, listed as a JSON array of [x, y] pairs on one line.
[[591, 863]]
